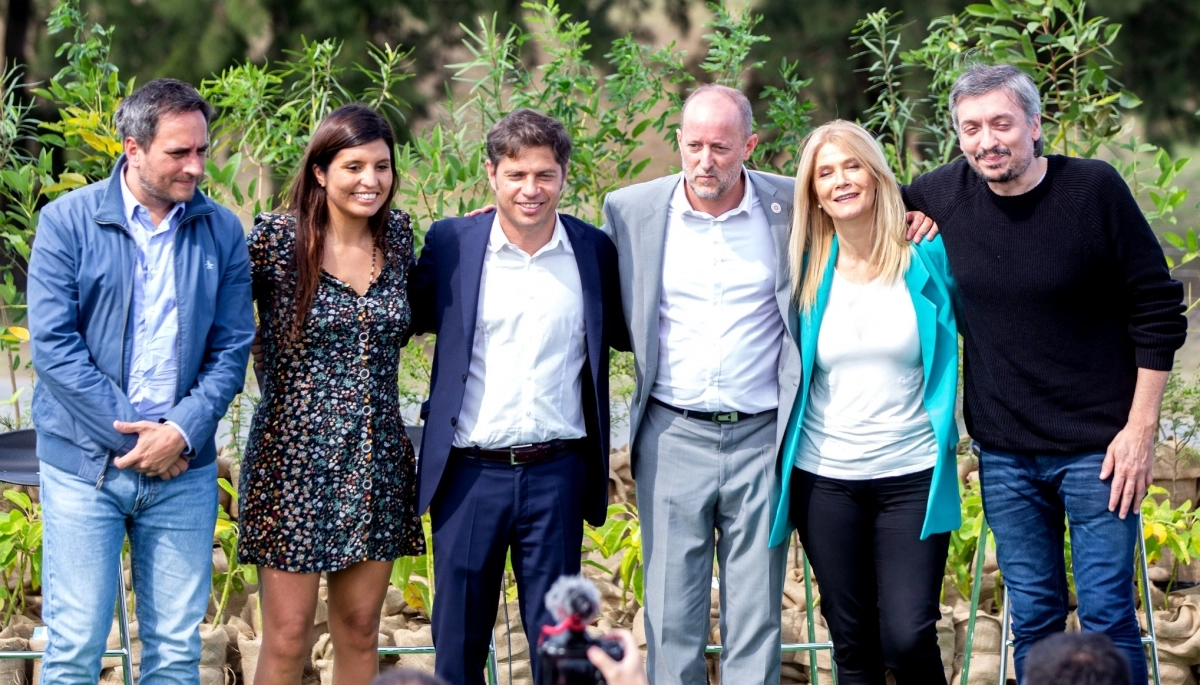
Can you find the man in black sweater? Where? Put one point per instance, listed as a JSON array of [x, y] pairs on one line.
[[1070, 321]]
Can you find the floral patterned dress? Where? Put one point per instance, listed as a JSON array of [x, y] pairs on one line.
[[329, 475]]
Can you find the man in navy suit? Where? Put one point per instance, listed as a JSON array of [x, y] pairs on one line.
[[525, 303]]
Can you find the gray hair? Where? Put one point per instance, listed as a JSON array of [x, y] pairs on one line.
[[981, 79], [138, 115], [745, 112]]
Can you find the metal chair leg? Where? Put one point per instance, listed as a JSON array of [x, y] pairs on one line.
[[977, 581], [1004, 639], [123, 628], [1144, 569], [808, 615], [493, 674]]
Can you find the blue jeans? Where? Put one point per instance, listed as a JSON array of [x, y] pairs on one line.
[[1026, 499], [170, 527]]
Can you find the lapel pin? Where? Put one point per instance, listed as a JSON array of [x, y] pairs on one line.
[[776, 208]]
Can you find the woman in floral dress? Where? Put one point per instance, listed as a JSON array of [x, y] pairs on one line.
[[329, 476]]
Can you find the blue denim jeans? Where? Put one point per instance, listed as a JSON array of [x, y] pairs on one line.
[[1026, 499], [170, 528]]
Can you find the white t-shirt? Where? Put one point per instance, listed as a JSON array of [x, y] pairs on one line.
[[865, 416]]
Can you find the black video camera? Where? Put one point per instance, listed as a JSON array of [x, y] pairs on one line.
[[562, 649]]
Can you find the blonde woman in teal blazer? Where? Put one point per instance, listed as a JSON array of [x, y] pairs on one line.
[[869, 470]]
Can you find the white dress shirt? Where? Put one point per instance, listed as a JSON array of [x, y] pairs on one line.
[[154, 373], [720, 330], [527, 360], [866, 414]]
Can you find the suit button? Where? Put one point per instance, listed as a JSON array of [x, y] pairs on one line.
[[453, 420], [464, 378]]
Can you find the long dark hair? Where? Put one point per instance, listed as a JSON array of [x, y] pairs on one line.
[[345, 127]]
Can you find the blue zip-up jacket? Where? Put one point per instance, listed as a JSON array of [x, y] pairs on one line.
[[80, 298]]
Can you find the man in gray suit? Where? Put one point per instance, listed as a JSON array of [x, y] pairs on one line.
[[704, 283]]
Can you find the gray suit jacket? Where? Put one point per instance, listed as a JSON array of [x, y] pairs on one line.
[[635, 218]]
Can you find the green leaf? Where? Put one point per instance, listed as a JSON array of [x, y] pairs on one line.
[[228, 488], [1129, 100], [18, 498], [985, 11]]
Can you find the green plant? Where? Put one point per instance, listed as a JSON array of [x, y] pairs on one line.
[[964, 542], [413, 576], [20, 552], [1066, 52], [236, 575], [1169, 528], [621, 534], [1178, 423]]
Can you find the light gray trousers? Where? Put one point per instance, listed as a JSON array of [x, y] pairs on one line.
[[694, 478]]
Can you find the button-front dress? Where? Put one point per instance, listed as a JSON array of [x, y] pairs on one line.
[[329, 475]]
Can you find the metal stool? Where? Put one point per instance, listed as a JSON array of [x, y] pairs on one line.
[[19, 466], [415, 434], [812, 646], [1141, 568], [493, 679]]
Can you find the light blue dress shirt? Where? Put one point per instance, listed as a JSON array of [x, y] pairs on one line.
[[155, 369]]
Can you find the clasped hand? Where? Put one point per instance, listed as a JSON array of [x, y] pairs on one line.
[[158, 452]]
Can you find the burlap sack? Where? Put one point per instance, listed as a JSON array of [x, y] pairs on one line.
[[37, 644], [322, 658], [946, 639], [390, 624], [19, 626], [1178, 639], [393, 602], [512, 659], [824, 658], [985, 669], [135, 647], [414, 635], [213, 644], [12, 671], [248, 648], [792, 674]]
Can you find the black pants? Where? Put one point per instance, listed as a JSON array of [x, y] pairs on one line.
[[880, 582], [481, 511]]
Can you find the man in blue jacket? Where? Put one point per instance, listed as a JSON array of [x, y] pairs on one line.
[[526, 304], [141, 322]]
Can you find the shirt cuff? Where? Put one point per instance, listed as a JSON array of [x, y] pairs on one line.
[[188, 451]]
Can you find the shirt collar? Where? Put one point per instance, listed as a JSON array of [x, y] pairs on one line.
[[680, 202], [498, 241], [132, 206]]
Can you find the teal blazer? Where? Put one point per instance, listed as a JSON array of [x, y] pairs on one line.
[[933, 295]]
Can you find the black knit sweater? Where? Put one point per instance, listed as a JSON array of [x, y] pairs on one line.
[[1064, 293]]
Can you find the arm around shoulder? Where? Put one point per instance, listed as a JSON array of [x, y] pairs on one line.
[[222, 372], [422, 282]]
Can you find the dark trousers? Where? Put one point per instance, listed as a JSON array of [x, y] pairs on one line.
[[880, 582], [481, 510]]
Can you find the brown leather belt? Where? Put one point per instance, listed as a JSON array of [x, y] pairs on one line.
[[519, 454], [706, 416]]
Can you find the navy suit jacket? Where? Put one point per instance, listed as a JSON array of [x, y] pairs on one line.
[[444, 295]]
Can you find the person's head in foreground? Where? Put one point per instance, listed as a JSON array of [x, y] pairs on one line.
[[1076, 659], [406, 676]]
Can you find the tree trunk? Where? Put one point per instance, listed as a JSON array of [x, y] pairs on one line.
[[16, 28]]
